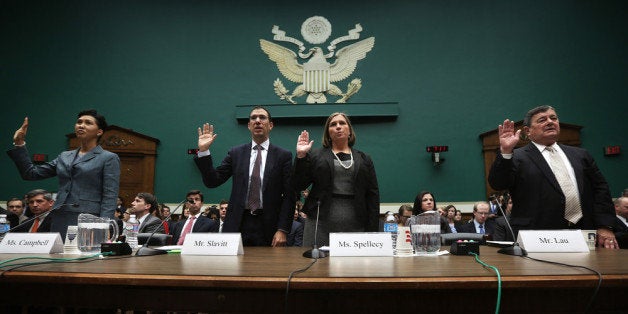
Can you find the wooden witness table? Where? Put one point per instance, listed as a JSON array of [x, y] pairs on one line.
[[256, 282]]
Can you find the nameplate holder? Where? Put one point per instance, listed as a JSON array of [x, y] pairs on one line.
[[554, 241], [360, 244], [32, 243], [212, 243]]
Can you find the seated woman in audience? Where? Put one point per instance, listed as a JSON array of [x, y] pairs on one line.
[[450, 216], [425, 201], [458, 217]]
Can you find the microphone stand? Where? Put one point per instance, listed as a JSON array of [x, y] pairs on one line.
[[42, 214], [144, 250], [315, 252], [513, 249]]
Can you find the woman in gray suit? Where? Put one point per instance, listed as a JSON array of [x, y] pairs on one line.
[[89, 177]]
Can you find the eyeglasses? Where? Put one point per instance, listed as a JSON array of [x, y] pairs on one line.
[[15, 206], [482, 214]]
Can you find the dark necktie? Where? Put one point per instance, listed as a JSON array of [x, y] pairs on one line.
[[256, 182], [482, 229]]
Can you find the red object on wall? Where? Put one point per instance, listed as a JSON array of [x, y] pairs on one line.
[[612, 150]]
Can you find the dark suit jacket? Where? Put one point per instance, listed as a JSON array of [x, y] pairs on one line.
[[317, 168], [44, 225], [12, 218], [277, 194], [621, 233], [538, 201], [295, 237], [469, 227], [202, 224], [502, 233]]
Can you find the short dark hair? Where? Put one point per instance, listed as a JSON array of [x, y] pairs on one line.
[[47, 195], [100, 119], [195, 192], [270, 119], [223, 201], [527, 119], [13, 199], [149, 199]]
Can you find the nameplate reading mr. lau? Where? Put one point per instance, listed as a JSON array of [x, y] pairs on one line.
[[211, 243], [555, 241], [34, 243], [360, 244]]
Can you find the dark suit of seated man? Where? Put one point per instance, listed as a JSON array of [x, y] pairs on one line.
[[621, 224], [195, 221], [40, 203], [295, 237], [479, 224]]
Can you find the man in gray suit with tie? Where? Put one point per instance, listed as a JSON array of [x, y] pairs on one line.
[[143, 204], [262, 199]]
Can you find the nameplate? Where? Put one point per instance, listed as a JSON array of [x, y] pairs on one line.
[[212, 243], [32, 243], [556, 241], [360, 244]]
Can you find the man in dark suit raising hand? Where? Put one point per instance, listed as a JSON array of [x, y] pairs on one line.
[[262, 201], [553, 186]]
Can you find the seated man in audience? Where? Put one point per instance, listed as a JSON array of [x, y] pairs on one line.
[[295, 237], [502, 231], [404, 213], [40, 203], [195, 221], [16, 206], [621, 227], [493, 202], [222, 207], [480, 223], [143, 205]]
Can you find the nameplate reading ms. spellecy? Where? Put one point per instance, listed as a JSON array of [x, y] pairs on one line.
[[34, 243], [360, 244], [211, 243], [558, 241]]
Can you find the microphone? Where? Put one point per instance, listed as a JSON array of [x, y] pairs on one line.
[[513, 249], [144, 250], [42, 214], [315, 252]]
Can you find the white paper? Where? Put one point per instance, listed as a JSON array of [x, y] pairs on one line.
[[212, 243], [360, 244], [34, 243], [558, 241]]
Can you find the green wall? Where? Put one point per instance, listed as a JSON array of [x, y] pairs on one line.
[[456, 68]]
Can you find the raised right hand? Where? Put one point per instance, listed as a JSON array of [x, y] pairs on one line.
[[303, 144], [206, 137], [508, 138], [19, 136]]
